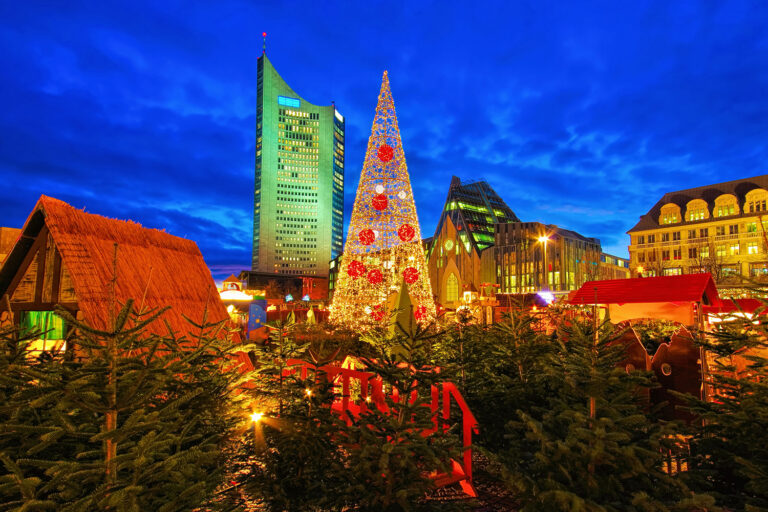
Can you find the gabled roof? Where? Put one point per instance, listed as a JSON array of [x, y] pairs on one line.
[[154, 268], [684, 288], [708, 193]]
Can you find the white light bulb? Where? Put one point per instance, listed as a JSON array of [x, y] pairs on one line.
[[401, 194], [379, 189], [368, 310], [376, 233]]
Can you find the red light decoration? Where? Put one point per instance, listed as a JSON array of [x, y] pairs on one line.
[[386, 153], [367, 237], [375, 276], [419, 312], [379, 202], [355, 269], [378, 313], [411, 275], [406, 232]]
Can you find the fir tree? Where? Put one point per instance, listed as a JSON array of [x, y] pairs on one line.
[[137, 424], [499, 370], [391, 460], [594, 447], [729, 456]]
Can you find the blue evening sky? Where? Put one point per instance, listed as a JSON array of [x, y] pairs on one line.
[[580, 114]]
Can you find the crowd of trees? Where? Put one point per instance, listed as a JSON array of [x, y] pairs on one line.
[[165, 423]]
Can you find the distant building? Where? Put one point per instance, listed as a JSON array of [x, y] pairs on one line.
[[8, 237], [521, 258], [614, 267], [298, 214], [719, 229]]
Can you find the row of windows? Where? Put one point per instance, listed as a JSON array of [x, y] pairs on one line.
[[720, 251], [670, 214], [755, 270], [305, 148], [732, 229]]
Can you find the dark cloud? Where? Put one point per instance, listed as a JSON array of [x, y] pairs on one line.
[[579, 114]]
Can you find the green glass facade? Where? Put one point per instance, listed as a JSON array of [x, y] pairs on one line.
[[298, 214]]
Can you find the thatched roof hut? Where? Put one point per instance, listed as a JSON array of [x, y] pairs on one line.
[[88, 264]]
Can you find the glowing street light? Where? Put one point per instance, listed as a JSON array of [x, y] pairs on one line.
[[640, 271], [256, 417], [544, 239]]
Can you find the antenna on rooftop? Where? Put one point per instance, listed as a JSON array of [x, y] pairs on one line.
[[264, 45]]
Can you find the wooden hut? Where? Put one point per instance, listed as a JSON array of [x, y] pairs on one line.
[[674, 298], [88, 264]]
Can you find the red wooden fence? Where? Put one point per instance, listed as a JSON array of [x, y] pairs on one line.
[[371, 391]]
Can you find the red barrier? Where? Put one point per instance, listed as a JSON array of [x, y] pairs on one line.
[[460, 472]]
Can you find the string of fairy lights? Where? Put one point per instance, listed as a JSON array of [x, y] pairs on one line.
[[383, 252]]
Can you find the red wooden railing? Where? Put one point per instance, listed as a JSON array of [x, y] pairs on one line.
[[372, 391]]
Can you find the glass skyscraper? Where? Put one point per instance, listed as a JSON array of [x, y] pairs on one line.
[[298, 213]]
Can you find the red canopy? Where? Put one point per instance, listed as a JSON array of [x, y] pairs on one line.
[[683, 288]]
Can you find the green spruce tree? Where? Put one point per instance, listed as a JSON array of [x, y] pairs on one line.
[[729, 456], [594, 448], [137, 423]]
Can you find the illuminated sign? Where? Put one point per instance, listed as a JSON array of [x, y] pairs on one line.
[[289, 102]]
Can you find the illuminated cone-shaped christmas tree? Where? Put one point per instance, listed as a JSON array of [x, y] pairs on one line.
[[383, 251]]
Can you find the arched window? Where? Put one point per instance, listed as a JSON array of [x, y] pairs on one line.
[[452, 288]]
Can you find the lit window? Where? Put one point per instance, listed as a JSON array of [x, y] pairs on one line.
[[51, 327], [734, 249], [289, 102], [752, 248], [452, 288]]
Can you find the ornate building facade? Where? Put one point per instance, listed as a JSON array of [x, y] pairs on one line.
[[719, 229]]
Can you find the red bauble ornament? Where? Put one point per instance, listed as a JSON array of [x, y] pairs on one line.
[[411, 275], [375, 276], [378, 313], [379, 202], [386, 152], [406, 232], [355, 269], [367, 236], [419, 312]]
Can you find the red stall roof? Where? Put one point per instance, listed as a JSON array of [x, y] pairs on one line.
[[684, 288], [733, 305]]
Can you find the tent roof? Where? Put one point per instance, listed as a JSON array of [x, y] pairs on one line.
[[684, 288]]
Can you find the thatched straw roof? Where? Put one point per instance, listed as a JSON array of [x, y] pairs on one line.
[[154, 268]]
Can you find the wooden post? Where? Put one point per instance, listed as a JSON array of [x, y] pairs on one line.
[[111, 414]]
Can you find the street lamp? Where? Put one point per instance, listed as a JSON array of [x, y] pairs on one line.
[[544, 239], [640, 271]]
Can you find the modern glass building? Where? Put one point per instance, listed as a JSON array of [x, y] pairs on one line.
[[474, 207], [298, 213]]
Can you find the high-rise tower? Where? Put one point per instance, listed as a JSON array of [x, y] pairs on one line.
[[298, 213]]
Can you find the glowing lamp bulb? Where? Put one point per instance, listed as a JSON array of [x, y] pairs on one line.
[[401, 194], [543, 239], [379, 189], [256, 417], [309, 392]]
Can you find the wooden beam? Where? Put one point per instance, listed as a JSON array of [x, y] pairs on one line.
[[43, 238], [23, 267], [56, 275]]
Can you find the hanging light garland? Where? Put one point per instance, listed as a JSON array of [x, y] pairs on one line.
[[384, 240]]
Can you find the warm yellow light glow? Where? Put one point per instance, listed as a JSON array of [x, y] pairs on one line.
[[367, 399], [640, 270], [543, 239], [309, 392], [384, 205], [256, 417]]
